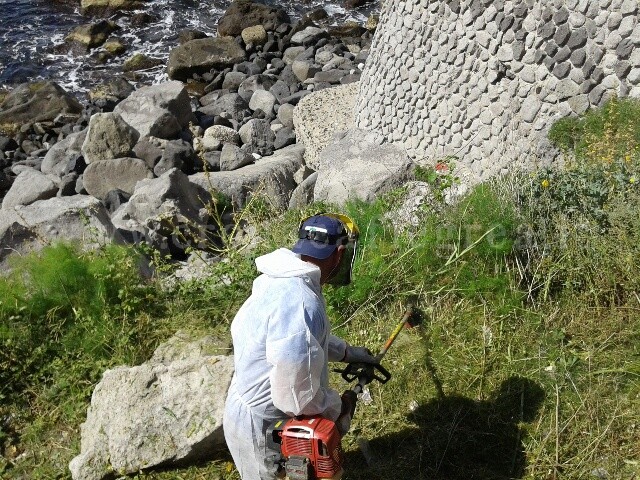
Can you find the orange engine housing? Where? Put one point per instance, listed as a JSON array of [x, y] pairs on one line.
[[317, 439]]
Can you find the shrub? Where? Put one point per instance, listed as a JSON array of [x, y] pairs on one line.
[[602, 135], [60, 304]]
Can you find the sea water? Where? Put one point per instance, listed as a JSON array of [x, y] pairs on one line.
[[31, 32]]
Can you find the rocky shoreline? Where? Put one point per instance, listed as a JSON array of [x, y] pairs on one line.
[[143, 164]]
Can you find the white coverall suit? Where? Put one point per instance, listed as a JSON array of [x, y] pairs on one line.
[[282, 342]]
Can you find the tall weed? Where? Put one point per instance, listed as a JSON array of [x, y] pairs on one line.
[[60, 305]]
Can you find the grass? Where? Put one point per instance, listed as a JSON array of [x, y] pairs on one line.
[[526, 364]]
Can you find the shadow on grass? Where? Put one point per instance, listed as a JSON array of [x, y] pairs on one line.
[[455, 438]]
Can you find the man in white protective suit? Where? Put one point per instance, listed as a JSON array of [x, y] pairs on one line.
[[282, 342]]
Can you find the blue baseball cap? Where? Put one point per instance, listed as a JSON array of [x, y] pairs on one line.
[[319, 236]]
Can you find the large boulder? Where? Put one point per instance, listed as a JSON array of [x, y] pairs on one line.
[[360, 165], [201, 55], [166, 411], [108, 137], [108, 7], [85, 37], [29, 186], [161, 111], [35, 102], [78, 218], [245, 13], [65, 155], [159, 206], [119, 173], [318, 117], [272, 177]]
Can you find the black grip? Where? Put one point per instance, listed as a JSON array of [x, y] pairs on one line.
[[368, 372]]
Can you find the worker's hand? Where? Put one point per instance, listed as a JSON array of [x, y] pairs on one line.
[[358, 355], [349, 399]]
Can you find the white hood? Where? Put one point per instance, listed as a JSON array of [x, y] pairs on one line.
[[283, 263]]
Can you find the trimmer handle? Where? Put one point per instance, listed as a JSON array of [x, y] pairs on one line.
[[364, 373]]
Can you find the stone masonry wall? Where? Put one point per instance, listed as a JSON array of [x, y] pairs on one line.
[[485, 79]]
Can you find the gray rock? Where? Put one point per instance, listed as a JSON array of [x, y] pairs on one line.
[[115, 199], [140, 61], [577, 39], [231, 104], [160, 206], [285, 115], [108, 7], [562, 34], [563, 55], [150, 150], [562, 70], [201, 55], [280, 90], [272, 177], [291, 53], [360, 165], [579, 104], [308, 36], [614, 20], [169, 410], [119, 173], [256, 82], [159, 110], [243, 14], [629, 7], [530, 108], [62, 157], [622, 69], [29, 103], [596, 95], [257, 133], [233, 157], [216, 135], [303, 69], [561, 16], [233, 80], [320, 115], [85, 37], [625, 49], [578, 57], [330, 76], [177, 154], [67, 185], [76, 218], [107, 95], [284, 137], [303, 194], [212, 161], [108, 137], [262, 100], [29, 187]]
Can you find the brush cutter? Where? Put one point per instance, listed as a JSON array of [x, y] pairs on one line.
[[309, 448]]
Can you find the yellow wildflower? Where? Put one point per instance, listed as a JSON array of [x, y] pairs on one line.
[[545, 183], [632, 179]]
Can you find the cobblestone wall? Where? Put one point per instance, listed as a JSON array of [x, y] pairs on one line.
[[485, 79]]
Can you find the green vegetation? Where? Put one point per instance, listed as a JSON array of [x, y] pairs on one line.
[[526, 365]]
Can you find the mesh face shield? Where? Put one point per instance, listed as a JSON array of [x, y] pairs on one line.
[[344, 271], [320, 235]]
